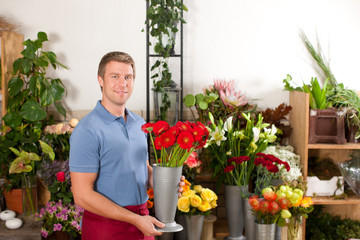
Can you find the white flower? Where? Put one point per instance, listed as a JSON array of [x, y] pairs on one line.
[[218, 136], [270, 133], [228, 126], [256, 133]]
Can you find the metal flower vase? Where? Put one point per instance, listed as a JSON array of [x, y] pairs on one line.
[[234, 211], [194, 226], [166, 191], [265, 231], [249, 219]]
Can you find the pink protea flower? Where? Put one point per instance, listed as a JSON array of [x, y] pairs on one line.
[[228, 95]]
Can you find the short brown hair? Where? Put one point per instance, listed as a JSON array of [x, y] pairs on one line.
[[117, 57]]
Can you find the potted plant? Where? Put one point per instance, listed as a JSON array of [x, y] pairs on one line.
[[25, 166], [162, 18], [325, 123], [31, 93]]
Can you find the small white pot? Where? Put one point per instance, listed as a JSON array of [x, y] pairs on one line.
[[7, 214], [14, 223]]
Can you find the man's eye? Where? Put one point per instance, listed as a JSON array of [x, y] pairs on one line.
[[128, 78], [114, 76]]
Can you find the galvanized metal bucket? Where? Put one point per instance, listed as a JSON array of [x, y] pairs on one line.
[[265, 231], [166, 191]]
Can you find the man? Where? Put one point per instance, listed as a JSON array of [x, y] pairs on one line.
[[109, 168]]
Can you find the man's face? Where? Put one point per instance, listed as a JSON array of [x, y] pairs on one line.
[[117, 84]]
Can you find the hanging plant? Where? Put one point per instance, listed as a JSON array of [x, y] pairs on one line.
[[163, 18]]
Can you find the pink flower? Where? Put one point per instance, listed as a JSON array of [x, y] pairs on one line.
[[192, 160], [44, 233], [57, 227], [228, 95]]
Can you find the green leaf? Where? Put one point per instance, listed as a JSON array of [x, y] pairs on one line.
[[16, 65], [60, 108], [33, 85], [31, 110], [14, 150], [19, 166], [15, 85], [199, 97], [203, 105], [26, 66], [189, 100], [47, 150], [42, 36], [57, 90]]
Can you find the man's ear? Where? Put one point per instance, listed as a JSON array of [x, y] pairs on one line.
[[101, 81]]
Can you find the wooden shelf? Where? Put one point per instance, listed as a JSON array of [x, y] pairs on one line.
[[347, 146], [333, 201]]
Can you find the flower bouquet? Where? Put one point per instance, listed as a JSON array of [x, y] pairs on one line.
[[195, 203], [196, 200], [175, 144], [235, 148], [267, 165], [298, 207], [59, 216]]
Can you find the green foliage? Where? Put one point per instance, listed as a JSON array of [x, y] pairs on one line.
[[163, 17], [319, 97], [31, 93], [321, 226], [203, 103]]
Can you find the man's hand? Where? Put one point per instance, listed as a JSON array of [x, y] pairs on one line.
[[146, 224], [181, 184]]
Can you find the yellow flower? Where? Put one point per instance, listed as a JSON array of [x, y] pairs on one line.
[[285, 213], [205, 206], [208, 195], [307, 202], [195, 201], [198, 188], [213, 204], [188, 193], [183, 204]]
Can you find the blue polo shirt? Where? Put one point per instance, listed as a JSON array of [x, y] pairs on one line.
[[114, 149]]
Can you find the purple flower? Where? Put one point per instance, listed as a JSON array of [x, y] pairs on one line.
[[44, 233], [57, 227]]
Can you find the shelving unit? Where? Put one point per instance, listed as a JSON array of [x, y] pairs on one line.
[[177, 55], [299, 121], [11, 48]]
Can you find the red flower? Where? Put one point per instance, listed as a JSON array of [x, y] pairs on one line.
[[167, 139], [258, 161], [60, 176], [270, 196], [274, 207], [147, 127], [272, 168], [198, 133], [229, 168], [174, 130], [283, 202], [185, 140], [265, 207], [183, 126], [192, 160], [158, 144], [159, 127], [254, 203]]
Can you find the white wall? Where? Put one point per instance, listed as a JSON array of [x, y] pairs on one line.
[[253, 42]]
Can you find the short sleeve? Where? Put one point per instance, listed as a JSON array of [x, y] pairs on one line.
[[84, 151]]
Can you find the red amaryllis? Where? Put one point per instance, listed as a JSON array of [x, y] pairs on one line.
[[185, 140], [60, 176]]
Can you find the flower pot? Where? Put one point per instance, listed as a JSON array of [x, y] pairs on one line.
[[13, 200], [326, 126], [194, 226], [234, 211], [265, 231], [166, 191], [249, 219]]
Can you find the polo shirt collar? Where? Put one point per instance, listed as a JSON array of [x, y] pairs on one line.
[[108, 117]]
